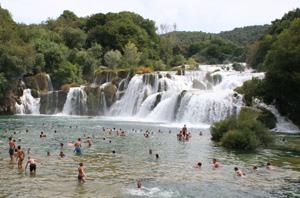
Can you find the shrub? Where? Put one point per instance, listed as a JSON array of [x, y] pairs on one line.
[[267, 118], [244, 132], [238, 67]]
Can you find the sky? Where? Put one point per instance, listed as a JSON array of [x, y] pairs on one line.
[[189, 15]]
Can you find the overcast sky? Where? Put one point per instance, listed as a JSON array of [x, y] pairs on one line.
[[189, 15]]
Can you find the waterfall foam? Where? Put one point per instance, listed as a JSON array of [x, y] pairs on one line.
[[76, 102], [29, 104]]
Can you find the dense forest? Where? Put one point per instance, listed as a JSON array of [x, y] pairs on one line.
[[72, 49]]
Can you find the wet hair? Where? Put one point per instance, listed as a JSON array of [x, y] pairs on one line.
[[109, 141], [79, 139], [254, 167], [10, 138], [156, 155], [103, 138], [61, 144], [199, 164], [113, 151], [269, 164], [80, 164], [19, 147], [214, 160], [236, 168]]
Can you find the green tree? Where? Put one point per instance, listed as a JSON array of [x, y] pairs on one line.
[[112, 58], [74, 38], [131, 55]]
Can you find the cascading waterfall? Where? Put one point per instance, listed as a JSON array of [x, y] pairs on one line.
[[50, 86], [29, 104], [198, 97], [76, 102]]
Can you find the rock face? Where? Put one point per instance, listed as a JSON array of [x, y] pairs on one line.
[[39, 82], [198, 85], [102, 77], [52, 102], [7, 104], [110, 91], [95, 100]]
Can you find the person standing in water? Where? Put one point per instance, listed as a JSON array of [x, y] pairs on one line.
[[12, 147], [77, 145], [32, 165], [20, 157], [81, 173]]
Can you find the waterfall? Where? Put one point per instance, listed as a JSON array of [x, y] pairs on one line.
[[29, 104], [76, 102], [202, 96], [50, 86]]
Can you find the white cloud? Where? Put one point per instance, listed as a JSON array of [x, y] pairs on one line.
[[196, 15]]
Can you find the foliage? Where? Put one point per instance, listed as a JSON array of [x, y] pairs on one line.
[[244, 132], [238, 67], [113, 58], [131, 55]]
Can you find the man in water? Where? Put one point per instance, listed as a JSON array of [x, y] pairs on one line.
[[77, 146], [32, 165], [238, 172], [12, 147], [81, 173], [139, 184], [89, 141], [20, 157], [215, 163]]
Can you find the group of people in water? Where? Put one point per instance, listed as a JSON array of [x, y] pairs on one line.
[[17, 153]]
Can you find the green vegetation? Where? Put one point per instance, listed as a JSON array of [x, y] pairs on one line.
[[245, 132], [277, 53]]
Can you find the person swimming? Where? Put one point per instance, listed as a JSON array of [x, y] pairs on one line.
[[269, 166], [238, 172], [61, 154], [215, 163], [198, 165]]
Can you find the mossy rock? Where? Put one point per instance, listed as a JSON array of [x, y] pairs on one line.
[[38, 82], [35, 93], [52, 102], [168, 75], [110, 93]]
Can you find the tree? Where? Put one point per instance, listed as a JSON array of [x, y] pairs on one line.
[[131, 55], [74, 38], [112, 58]]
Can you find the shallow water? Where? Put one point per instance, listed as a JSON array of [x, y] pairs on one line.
[[115, 175]]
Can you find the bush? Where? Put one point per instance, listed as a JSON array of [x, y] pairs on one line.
[[267, 118], [244, 132]]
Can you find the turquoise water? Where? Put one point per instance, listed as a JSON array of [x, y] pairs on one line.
[[115, 175]]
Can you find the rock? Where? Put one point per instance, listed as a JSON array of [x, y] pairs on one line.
[[198, 85], [267, 118], [93, 103], [110, 93], [168, 75], [157, 100], [39, 82], [217, 79], [52, 102]]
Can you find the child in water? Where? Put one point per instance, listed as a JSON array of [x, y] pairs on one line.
[[81, 173]]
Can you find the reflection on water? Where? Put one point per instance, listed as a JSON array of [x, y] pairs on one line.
[[115, 175]]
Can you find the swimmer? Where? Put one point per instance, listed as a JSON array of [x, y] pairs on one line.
[[269, 166], [200, 133], [215, 163], [157, 156], [42, 134], [48, 153], [113, 151], [20, 157], [198, 165], [254, 168], [238, 172], [12, 147], [32, 165], [150, 151], [81, 173], [139, 184]]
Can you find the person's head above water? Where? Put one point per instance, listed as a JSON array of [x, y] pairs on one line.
[[236, 168], [199, 164], [80, 164]]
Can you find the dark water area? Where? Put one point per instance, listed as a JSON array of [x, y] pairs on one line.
[[115, 175]]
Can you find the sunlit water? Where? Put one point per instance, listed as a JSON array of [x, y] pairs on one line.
[[115, 175]]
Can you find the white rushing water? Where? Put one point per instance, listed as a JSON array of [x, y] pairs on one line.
[[29, 104], [198, 97]]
